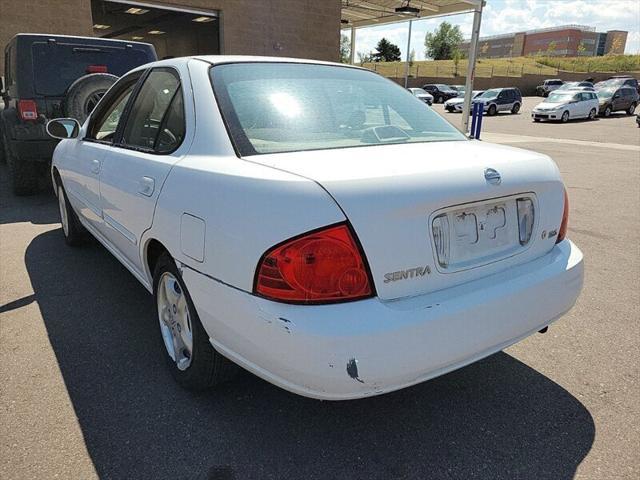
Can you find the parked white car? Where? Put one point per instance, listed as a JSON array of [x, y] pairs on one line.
[[314, 224], [456, 104], [565, 105], [421, 94]]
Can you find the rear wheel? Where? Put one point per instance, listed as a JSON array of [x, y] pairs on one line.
[[492, 110], [592, 114], [193, 362], [631, 109], [73, 231], [516, 108], [607, 111], [565, 117], [439, 99]]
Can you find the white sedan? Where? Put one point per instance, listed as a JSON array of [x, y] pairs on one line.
[[314, 224], [421, 94], [456, 104], [565, 105]]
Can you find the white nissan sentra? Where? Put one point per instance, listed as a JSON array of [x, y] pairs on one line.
[[314, 223]]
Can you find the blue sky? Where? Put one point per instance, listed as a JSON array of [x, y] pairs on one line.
[[506, 16]]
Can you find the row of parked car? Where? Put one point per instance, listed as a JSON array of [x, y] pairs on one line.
[[564, 100]]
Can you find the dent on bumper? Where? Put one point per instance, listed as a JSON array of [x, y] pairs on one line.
[[369, 347]]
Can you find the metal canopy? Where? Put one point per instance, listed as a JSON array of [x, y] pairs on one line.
[[365, 13]]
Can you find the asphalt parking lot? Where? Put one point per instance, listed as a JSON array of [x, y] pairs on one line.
[[83, 394]]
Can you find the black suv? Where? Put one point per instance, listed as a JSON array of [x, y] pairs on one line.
[[51, 76], [441, 93], [613, 99]]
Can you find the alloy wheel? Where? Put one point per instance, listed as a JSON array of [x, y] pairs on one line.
[[175, 321], [64, 218]]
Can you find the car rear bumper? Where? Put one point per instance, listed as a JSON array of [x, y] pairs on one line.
[[369, 347]]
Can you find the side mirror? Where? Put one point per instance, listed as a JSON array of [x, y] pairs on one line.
[[617, 95], [63, 128]]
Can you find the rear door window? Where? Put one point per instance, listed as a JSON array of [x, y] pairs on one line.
[[156, 121], [57, 65]]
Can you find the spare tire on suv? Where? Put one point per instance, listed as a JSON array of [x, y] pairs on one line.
[[83, 94]]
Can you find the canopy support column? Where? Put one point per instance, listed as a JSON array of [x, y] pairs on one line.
[[406, 70], [471, 68], [352, 50]]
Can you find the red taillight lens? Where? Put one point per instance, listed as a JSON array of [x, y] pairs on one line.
[[562, 233], [97, 69], [319, 267], [28, 109]]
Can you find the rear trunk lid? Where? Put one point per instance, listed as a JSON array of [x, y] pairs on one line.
[[409, 203]]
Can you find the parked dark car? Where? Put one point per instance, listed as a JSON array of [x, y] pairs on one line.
[[548, 86], [497, 100], [613, 99], [52, 76], [441, 93], [638, 119]]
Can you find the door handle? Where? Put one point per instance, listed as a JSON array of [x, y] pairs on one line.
[[146, 186], [95, 166]]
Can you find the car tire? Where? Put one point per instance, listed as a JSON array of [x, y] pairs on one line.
[[565, 116], [492, 110], [537, 120], [515, 109], [73, 231], [631, 109], [439, 99], [607, 111], [84, 94], [197, 365], [24, 174], [592, 114]]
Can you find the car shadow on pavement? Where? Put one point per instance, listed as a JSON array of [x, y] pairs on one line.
[[496, 419], [41, 208]]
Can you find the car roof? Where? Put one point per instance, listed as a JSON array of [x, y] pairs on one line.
[[38, 36]]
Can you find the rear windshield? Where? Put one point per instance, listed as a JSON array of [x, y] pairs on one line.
[[58, 65], [288, 107]]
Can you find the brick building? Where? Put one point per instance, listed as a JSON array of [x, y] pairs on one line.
[[292, 28], [565, 41]]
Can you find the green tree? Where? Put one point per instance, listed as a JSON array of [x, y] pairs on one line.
[[412, 57], [581, 48], [444, 42], [457, 56], [551, 48], [345, 49], [386, 52]]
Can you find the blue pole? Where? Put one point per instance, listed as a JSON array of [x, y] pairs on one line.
[[474, 114], [480, 112]]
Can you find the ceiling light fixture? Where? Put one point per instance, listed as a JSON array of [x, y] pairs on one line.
[[203, 19], [99, 26], [156, 32], [137, 37], [407, 9], [136, 11]]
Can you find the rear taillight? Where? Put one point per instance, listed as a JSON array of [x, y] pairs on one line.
[[28, 109], [562, 233], [96, 69], [323, 266]]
